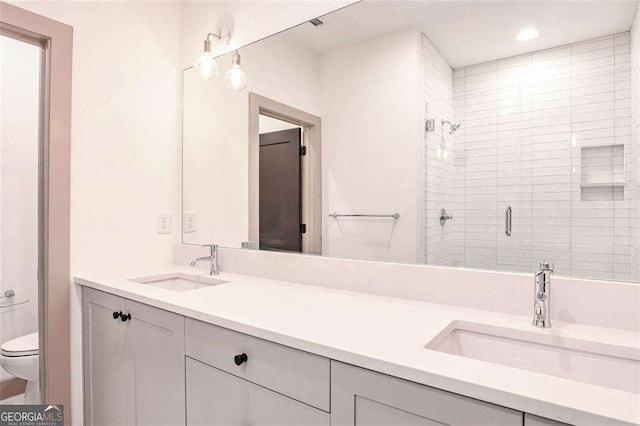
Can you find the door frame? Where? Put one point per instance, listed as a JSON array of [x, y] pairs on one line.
[[311, 168], [54, 283]]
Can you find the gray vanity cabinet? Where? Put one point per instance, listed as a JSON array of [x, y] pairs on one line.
[[365, 398], [134, 362], [147, 366]]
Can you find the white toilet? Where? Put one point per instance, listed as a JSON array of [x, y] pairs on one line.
[[20, 358]]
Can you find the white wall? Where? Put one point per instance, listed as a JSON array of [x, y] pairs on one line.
[[125, 147], [124, 139], [19, 142], [371, 105], [525, 120], [635, 147], [216, 133]]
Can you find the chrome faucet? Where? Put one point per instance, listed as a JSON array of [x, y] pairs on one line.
[[542, 296], [213, 258]]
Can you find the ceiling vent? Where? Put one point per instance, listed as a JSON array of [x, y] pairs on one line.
[[316, 22]]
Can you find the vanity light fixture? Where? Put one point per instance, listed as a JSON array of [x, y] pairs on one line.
[[527, 34], [235, 76], [206, 63]]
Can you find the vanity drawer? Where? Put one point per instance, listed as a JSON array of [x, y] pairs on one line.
[[297, 374], [218, 398]]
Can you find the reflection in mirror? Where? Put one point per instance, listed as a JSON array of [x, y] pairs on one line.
[[280, 185], [420, 140]]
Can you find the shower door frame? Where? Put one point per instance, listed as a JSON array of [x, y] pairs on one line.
[[54, 283]]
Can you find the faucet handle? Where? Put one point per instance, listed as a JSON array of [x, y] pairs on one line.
[[212, 247], [546, 266]]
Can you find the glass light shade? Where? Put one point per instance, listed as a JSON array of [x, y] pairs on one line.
[[206, 65], [236, 78]]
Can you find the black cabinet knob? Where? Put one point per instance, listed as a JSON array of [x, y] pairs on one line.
[[124, 317], [240, 359], [116, 315]]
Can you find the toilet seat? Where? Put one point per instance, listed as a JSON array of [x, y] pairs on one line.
[[26, 345]]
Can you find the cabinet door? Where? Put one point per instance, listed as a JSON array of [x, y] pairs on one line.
[[218, 398], [531, 420], [365, 398], [155, 345], [105, 374]]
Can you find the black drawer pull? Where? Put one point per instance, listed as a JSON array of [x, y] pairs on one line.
[[124, 317], [240, 359], [116, 315]]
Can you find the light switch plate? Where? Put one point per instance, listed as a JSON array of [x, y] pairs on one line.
[[188, 222], [164, 223]]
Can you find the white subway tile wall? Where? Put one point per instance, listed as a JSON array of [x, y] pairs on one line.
[[438, 154], [634, 151], [528, 123]]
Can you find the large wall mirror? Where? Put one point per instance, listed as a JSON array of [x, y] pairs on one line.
[[489, 135]]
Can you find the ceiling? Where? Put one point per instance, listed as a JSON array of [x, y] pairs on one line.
[[471, 32]]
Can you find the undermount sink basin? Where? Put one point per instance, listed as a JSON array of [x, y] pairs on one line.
[[178, 281], [610, 366]]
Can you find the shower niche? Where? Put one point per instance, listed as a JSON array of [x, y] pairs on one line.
[[602, 176]]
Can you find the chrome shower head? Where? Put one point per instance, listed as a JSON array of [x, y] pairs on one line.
[[452, 126]]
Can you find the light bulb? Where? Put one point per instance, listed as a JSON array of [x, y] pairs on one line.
[[206, 65], [236, 78]]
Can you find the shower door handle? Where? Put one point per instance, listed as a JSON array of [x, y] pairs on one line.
[[507, 221]]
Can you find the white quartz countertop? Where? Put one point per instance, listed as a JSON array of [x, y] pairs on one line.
[[389, 335]]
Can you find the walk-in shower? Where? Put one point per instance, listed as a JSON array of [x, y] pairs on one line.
[[527, 173]]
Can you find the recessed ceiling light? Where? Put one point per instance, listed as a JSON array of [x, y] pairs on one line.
[[527, 34]]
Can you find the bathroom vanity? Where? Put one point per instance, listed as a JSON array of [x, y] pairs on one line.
[[239, 350], [394, 145]]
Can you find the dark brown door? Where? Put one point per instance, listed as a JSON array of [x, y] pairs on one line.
[[280, 192]]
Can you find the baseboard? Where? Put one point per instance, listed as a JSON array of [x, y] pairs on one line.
[[11, 387]]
